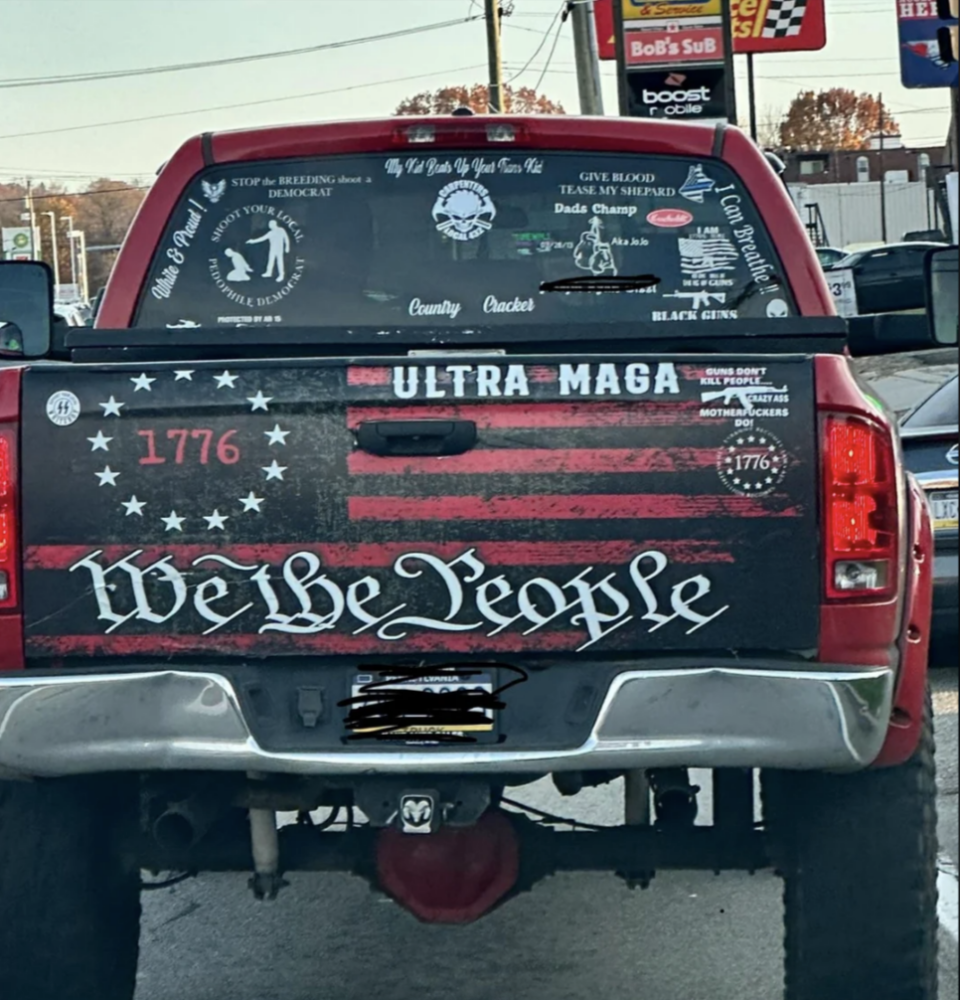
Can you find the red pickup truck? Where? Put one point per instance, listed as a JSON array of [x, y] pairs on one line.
[[413, 460]]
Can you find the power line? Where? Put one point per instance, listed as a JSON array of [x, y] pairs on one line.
[[91, 175], [546, 65], [539, 48], [43, 81], [243, 104], [78, 194]]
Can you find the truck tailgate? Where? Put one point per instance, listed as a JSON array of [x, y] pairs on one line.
[[630, 505]]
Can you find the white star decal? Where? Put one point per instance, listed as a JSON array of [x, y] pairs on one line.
[[108, 477], [226, 380], [751, 439], [100, 443], [134, 506], [183, 376], [111, 408], [769, 480], [274, 470], [216, 520], [173, 522], [251, 502], [143, 382], [259, 402], [276, 436]]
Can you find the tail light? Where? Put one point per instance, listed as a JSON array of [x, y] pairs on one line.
[[861, 522]]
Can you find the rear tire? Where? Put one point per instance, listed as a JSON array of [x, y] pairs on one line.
[[69, 907], [858, 854]]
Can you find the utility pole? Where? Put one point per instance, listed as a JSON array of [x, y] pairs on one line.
[[56, 254], [587, 58], [494, 58], [72, 247], [34, 235], [883, 185], [82, 259]]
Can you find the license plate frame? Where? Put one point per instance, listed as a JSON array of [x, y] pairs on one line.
[[944, 506], [420, 734]]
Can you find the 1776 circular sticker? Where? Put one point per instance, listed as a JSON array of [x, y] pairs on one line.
[[263, 269], [752, 463]]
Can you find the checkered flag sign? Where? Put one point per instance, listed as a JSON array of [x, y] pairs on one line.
[[784, 18]]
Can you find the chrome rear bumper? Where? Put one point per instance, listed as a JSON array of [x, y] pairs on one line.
[[699, 717]]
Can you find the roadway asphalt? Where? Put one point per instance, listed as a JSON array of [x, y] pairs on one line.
[[691, 936]]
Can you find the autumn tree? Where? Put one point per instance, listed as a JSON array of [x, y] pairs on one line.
[[833, 119], [519, 101], [103, 211]]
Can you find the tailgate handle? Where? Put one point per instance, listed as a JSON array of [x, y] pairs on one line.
[[417, 437]]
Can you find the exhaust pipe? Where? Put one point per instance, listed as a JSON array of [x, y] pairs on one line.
[[182, 825]]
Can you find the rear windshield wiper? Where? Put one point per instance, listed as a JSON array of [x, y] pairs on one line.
[[610, 283]]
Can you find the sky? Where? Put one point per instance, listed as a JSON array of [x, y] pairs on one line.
[[56, 37]]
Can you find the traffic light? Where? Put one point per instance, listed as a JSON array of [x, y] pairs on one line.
[[947, 40]]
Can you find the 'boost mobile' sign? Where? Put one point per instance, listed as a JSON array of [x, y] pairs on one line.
[[669, 95], [675, 59]]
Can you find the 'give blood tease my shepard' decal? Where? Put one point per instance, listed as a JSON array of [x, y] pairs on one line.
[[604, 507]]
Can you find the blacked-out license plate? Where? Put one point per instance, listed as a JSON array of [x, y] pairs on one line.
[[422, 709]]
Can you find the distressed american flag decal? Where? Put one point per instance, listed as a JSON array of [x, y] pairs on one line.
[[231, 511]]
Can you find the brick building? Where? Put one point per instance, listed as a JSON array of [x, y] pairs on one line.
[[896, 162]]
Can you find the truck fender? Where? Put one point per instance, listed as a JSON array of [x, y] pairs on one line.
[[906, 717]]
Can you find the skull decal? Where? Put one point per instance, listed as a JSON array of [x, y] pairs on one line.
[[464, 210]]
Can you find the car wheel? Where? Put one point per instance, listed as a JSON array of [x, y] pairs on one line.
[[69, 906], [858, 854]]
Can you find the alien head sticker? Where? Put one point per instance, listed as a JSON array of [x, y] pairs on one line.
[[464, 210]]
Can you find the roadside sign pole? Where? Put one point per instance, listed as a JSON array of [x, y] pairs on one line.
[[752, 96], [623, 92], [883, 181], [729, 75]]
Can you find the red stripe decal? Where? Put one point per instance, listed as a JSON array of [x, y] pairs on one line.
[[547, 507], [532, 461], [636, 413], [372, 555], [445, 642], [368, 376]]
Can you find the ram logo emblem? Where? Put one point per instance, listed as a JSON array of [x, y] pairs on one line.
[[416, 813]]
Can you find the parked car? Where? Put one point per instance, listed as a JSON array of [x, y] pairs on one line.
[[925, 236], [888, 278], [555, 464], [829, 255], [930, 451]]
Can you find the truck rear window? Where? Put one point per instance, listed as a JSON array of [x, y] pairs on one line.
[[461, 240]]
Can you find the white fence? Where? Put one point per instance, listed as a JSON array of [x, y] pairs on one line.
[[851, 212]]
